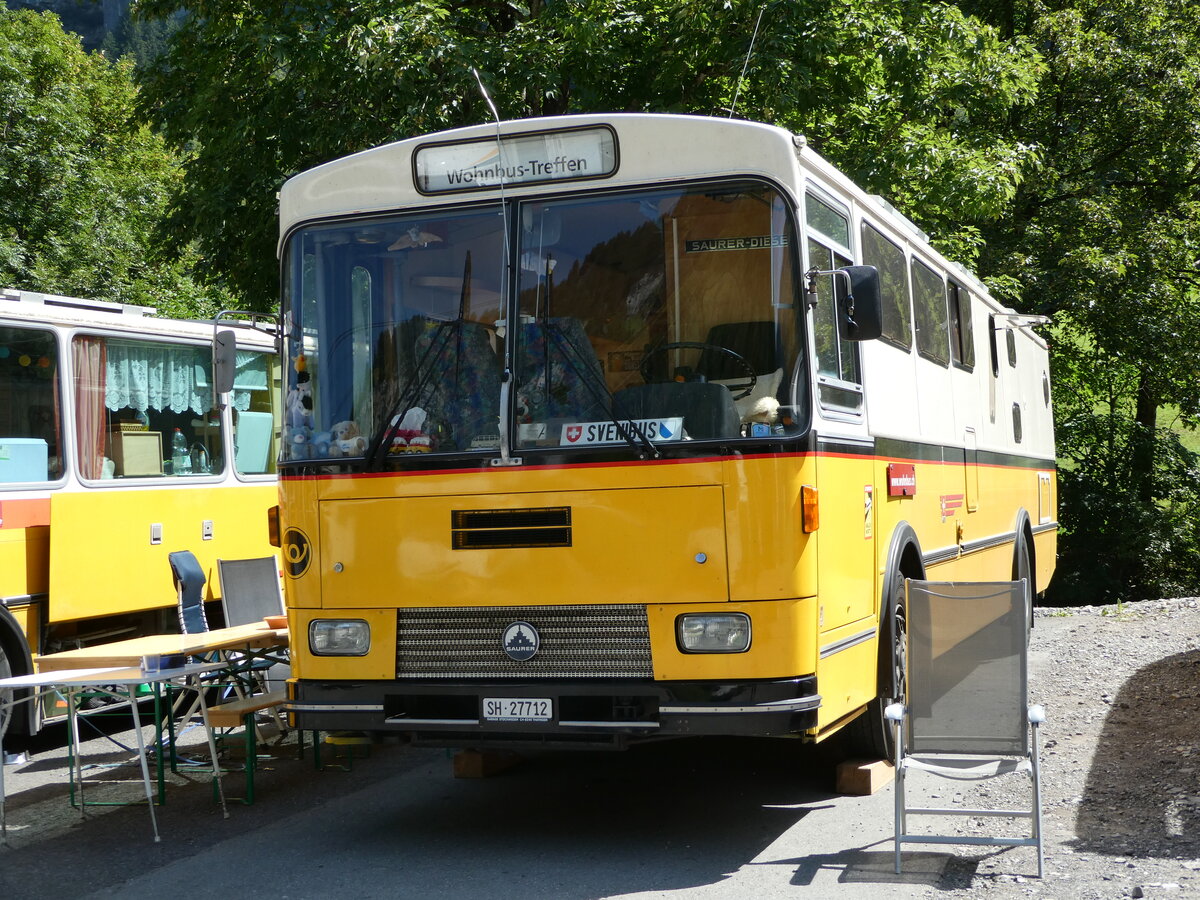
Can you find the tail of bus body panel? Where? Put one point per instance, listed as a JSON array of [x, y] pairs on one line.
[[636, 444], [92, 495]]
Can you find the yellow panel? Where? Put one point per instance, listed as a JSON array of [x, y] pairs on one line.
[[840, 676], [102, 561], [24, 561], [627, 547], [846, 538], [782, 642], [769, 554], [379, 663], [29, 620]]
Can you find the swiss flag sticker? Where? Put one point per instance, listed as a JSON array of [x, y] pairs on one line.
[[573, 433]]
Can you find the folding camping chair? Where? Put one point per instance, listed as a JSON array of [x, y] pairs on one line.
[[965, 713]]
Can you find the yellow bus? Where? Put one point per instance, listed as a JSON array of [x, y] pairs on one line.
[[113, 453], [616, 427]]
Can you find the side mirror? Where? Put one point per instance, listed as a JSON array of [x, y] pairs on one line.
[[862, 307], [224, 360]]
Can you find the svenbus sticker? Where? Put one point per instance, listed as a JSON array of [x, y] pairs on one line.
[[585, 433]]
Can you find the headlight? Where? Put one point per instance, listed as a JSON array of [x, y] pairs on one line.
[[339, 637], [713, 633]]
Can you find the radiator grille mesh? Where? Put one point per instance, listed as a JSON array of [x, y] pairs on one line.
[[576, 642]]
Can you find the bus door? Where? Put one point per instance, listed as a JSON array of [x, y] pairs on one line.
[[845, 452]]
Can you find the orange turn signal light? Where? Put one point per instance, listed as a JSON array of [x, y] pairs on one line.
[[810, 517], [273, 527]]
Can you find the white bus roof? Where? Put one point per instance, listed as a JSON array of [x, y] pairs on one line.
[[652, 147], [33, 307]]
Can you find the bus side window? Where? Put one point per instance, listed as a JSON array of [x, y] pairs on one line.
[[885, 256], [929, 298], [30, 417], [962, 339], [840, 384]]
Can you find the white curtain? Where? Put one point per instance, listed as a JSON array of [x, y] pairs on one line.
[[172, 377]]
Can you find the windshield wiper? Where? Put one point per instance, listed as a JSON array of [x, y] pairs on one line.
[[423, 373], [593, 382]]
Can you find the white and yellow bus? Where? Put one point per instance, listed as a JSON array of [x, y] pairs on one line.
[[113, 453], [613, 427]]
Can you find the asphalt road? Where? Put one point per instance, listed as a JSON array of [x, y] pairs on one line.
[[698, 818]]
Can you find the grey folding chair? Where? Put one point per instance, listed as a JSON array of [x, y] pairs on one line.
[[965, 713], [249, 589]]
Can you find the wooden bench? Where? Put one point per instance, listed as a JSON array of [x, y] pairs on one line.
[[234, 713], [241, 712]]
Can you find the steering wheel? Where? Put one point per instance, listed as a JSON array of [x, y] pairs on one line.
[[745, 387]]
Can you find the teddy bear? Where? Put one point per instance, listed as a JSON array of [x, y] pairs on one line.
[[761, 416], [348, 440]]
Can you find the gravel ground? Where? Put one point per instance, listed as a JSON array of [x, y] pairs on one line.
[[1120, 760]]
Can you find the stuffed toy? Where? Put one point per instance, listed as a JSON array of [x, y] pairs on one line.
[[409, 435], [298, 405], [765, 411], [347, 439], [761, 417]]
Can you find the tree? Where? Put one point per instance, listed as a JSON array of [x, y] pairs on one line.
[[912, 98], [1104, 235], [83, 186]]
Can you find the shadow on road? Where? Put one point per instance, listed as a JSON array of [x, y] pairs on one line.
[[1142, 797]]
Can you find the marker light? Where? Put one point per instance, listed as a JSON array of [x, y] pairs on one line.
[[713, 633], [810, 517], [339, 637]]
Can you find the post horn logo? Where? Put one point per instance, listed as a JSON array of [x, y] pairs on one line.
[[297, 552]]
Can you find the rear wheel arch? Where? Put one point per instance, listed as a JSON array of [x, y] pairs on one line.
[[16, 657]]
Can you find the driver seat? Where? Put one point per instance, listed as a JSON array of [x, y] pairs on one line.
[[755, 342]]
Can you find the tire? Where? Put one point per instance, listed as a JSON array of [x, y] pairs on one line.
[[6, 694], [1023, 568]]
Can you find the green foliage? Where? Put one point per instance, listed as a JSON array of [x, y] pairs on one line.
[[910, 97], [1104, 234], [82, 184]]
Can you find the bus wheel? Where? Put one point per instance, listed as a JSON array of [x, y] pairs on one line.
[[1023, 568], [6, 694]]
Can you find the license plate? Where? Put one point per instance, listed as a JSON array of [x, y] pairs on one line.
[[517, 709]]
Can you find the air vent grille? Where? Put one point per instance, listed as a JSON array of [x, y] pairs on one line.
[[492, 529]]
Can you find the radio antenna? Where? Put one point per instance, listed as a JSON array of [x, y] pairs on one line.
[[733, 106], [486, 97], [506, 378]]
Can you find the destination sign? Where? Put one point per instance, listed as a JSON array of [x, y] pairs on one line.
[[516, 159]]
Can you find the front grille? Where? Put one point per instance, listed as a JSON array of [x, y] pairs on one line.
[[576, 642]]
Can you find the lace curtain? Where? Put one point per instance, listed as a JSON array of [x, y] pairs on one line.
[[164, 376]]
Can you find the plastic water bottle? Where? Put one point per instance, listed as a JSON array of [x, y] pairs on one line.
[[181, 460]]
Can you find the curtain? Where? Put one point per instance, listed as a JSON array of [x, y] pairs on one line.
[[89, 356]]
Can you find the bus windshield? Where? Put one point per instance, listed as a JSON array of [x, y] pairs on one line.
[[632, 319]]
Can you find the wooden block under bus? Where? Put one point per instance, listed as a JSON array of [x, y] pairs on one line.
[[861, 778], [481, 764]]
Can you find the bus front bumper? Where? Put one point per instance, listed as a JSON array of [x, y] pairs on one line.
[[570, 712]]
